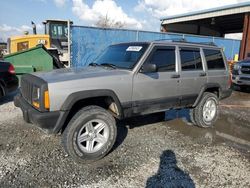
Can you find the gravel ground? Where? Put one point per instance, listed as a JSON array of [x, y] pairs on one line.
[[149, 152]]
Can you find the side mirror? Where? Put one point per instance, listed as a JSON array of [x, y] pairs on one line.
[[146, 68]]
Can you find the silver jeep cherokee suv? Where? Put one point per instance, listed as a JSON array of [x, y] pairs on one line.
[[127, 79]]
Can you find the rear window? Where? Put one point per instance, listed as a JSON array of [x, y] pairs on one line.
[[190, 59], [214, 59]]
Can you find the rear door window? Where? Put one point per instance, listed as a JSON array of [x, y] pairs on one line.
[[214, 59], [190, 59]]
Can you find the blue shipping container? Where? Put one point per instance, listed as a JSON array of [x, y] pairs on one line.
[[88, 42]]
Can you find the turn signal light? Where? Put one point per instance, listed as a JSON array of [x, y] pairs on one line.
[[46, 100]]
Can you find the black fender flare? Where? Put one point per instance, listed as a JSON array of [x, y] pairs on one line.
[[80, 95], [204, 88]]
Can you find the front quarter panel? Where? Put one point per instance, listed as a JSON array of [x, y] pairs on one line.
[[121, 85]]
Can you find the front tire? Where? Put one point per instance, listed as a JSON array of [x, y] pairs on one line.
[[206, 112], [90, 134]]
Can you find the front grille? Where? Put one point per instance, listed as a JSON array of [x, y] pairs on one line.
[[30, 82], [245, 69], [26, 89], [245, 78], [235, 72]]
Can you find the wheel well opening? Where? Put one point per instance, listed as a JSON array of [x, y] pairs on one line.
[[105, 102], [214, 90]]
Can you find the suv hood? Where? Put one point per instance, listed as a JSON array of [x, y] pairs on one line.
[[244, 62], [60, 75]]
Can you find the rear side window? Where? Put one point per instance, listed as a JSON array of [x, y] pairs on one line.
[[214, 59], [164, 58], [190, 59]]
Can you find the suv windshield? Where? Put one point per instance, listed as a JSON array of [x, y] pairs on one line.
[[123, 56]]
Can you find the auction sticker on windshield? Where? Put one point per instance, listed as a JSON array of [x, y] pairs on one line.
[[134, 48]]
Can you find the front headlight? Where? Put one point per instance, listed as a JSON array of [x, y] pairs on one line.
[[36, 97], [236, 66], [38, 101]]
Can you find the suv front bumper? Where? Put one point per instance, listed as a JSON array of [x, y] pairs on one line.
[[241, 80], [47, 121]]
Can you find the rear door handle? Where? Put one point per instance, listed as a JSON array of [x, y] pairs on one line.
[[175, 76], [203, 74]]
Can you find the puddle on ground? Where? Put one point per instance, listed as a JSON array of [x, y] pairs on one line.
[[226, 128]]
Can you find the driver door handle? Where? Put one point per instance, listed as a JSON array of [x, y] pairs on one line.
[[175, 76], [203, 74]]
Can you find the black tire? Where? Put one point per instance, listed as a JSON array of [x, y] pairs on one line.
[[191, 115], [70, 137], [199, 118], [243, 88], [239, 87], [1, 91]]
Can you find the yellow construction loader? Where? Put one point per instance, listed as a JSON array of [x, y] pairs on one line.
[[55, 39]]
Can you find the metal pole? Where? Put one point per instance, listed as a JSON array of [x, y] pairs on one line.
[[69, 45], [232, 51]]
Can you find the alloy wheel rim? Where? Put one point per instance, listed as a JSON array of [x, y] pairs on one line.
[[209, 110], [93, 136]]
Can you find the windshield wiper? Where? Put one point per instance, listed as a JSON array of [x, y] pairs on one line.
[[103, 64], [109, 65], [94, 64]]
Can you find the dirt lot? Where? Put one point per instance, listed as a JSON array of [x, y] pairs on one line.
[[150, 151]]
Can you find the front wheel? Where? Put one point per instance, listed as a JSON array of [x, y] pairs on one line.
[[206, 112], [90, 134]]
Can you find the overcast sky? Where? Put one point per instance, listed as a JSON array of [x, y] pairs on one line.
[[16, 15]]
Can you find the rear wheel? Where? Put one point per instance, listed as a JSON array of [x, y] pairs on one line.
[[191, 115], [206, 112], [90, 134]]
